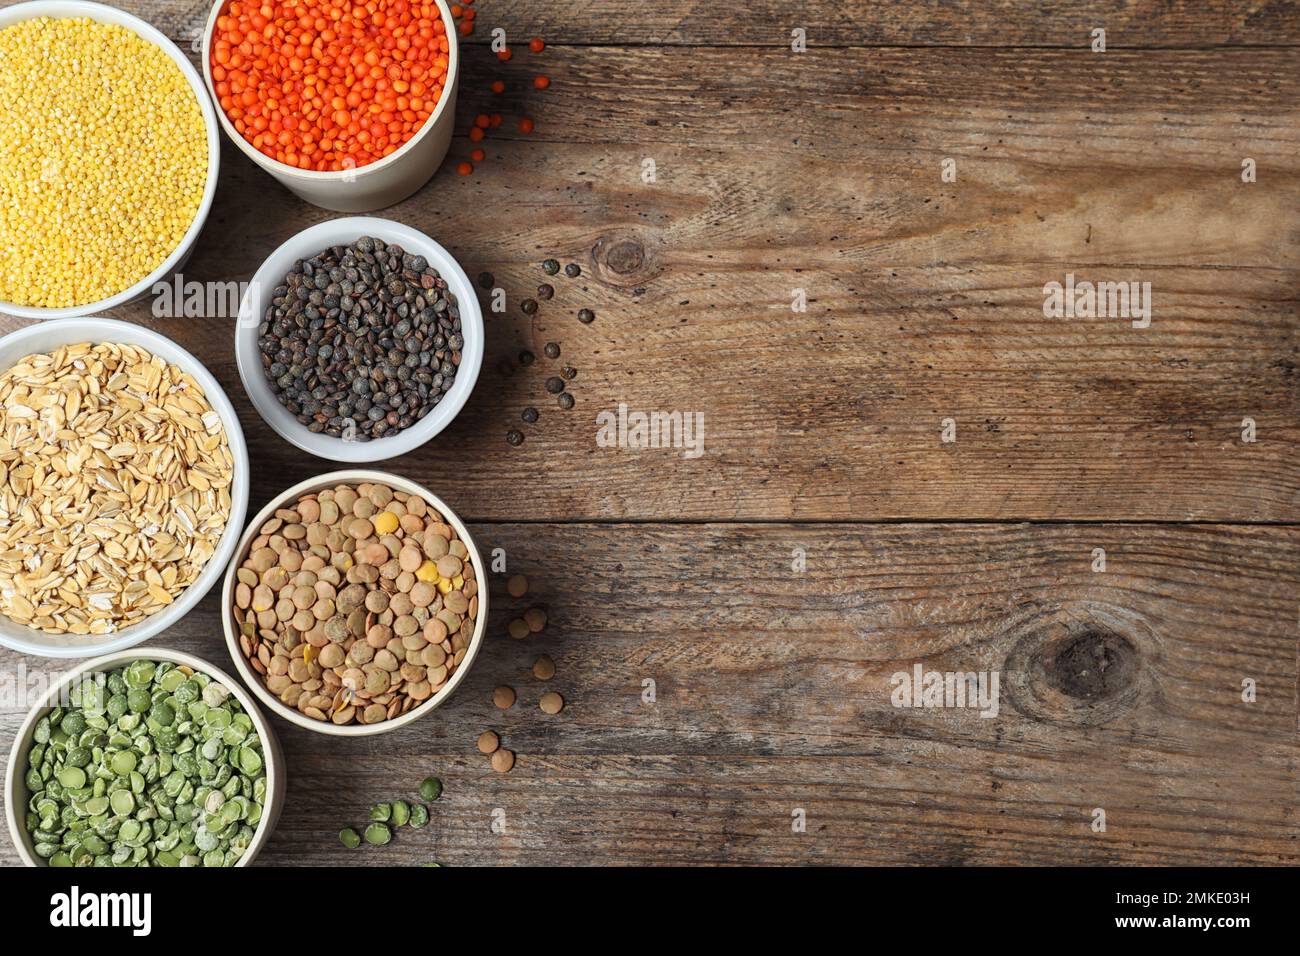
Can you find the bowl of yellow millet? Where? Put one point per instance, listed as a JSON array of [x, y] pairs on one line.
[[109, 156]]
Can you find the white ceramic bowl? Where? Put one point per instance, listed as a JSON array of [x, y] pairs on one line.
[[272, 703], [17, 794], [308, 243], [369, 187], [60, 9], [48, 336]]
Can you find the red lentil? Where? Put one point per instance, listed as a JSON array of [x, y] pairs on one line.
[[525, 125], [504, 55], [537, 44], [465, 169], [498, 86], [478, 155], [329, 84], [541, 82], [476, 134]]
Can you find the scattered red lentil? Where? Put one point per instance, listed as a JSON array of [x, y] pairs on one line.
[[495, 120], [465, 169], [476, 134], [537, 44], [325, 85], [505, 55], [525, 125], [498, 86], [478, 155], [541, 82], [482, 121], [466, 27]]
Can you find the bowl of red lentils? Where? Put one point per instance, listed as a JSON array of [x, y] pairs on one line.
[[110, 152], [350, 104]]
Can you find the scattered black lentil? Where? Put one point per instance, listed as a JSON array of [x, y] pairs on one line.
[[526, 357], [515, 437], [545, 291], [486, 280], [568, 373], [555, 385], [529, 306], [551, 267], [565, 400], [573, 270], [552, 350], [364, 338], [529, 415], [586, 316]]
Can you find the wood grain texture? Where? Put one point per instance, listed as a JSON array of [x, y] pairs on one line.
[[773, 693], [917, 23], [925, 298]]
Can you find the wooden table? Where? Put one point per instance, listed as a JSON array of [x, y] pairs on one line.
[[829, 537]]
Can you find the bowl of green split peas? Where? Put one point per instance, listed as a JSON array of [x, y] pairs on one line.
[[144, 758]]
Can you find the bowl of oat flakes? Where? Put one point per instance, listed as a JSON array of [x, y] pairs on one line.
[[123, 486]]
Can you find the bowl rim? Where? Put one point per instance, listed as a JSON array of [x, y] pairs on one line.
[[102, 329], [272, 755], [102, 13], [278, 168], [281, 421], [315, 483]]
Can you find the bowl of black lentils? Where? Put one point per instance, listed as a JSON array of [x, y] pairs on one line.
[[359, 339]]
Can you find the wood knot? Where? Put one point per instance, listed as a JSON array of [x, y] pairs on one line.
[[623, 259], [1093, 665], [1084, 664]]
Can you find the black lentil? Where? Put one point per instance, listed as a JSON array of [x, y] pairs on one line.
[[526, 357], [486, 280], [545, 291], [529, 415], [565, 400], [515, 437], [586, 316], [555, 385], [551, 267], [573, 270], [568, 373], [552, 350], [529, 306], [362, 340]]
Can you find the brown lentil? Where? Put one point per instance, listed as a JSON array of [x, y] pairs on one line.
[[488, 742], [356, 603], [503, 761], [535, 618], [504, 697], [543, 668], [552, 703], [517, 586], [518, 629]]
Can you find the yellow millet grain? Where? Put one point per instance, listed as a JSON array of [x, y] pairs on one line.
[[103, 160]]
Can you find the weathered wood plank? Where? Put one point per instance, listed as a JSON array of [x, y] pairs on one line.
[[773, 692], [995, 23], [925, 298]]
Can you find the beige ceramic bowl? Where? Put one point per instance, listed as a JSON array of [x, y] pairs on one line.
[[320, 482], [17, 794], [370, 187]]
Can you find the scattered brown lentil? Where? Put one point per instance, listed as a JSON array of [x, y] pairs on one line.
[[488, 742], [503, 761], [535, 618], [504, 697], [543, 668], [517, 585], [552, 703], [518, 629]]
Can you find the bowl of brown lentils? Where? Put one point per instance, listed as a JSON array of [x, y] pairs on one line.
[[359, 339], [355, 603]]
